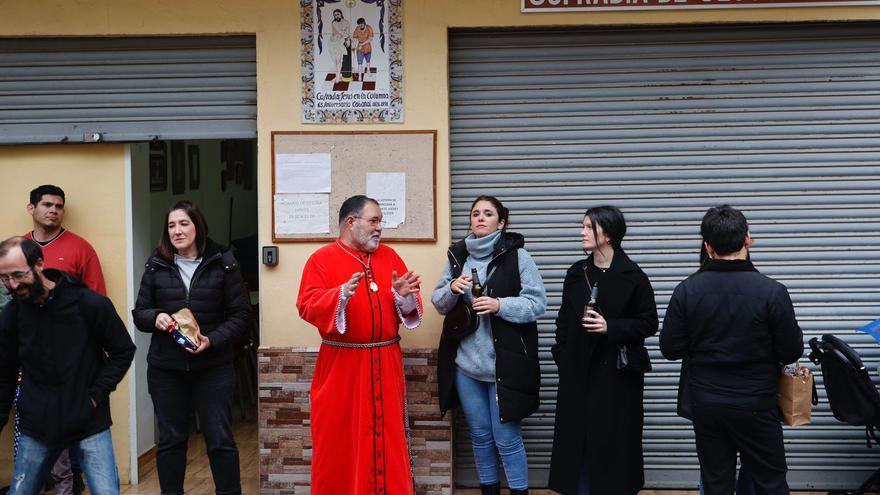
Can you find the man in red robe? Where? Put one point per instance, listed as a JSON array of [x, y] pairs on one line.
[[358, 292]]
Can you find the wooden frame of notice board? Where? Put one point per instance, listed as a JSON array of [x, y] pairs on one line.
[[353, 155]]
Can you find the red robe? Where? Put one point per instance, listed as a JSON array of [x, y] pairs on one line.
[[359, 443]]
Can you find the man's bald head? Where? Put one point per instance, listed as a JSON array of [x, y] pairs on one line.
[[31, 251]]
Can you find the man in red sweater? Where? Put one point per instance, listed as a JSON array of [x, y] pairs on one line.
[[63, 250]]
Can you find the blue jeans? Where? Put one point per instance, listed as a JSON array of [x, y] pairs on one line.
[[488, 433], [35, 460]]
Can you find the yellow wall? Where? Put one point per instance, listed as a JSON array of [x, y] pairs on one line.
[[276, 25], [93, 181], [426, 24]]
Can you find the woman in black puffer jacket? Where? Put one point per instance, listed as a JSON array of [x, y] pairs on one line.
[[188, 270]]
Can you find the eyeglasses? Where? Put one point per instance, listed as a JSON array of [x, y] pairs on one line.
[[374, 222], [15, 276]]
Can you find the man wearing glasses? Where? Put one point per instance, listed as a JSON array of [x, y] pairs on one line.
[[73, 349], [358, 292]]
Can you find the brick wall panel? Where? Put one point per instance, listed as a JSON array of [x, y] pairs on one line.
[[285, 375]]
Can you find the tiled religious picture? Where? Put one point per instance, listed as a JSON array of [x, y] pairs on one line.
[[352, 61]]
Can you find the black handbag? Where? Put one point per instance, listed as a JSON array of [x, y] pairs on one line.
[[633, 359], [460, 322]]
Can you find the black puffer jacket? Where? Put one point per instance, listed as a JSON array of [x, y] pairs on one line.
[[72, 350], [217, 299]]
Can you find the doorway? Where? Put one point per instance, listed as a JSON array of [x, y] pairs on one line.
[[220, 177]]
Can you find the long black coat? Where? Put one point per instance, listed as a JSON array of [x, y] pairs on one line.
[[599, 412]]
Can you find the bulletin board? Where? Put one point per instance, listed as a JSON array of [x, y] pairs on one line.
[[409, 157]]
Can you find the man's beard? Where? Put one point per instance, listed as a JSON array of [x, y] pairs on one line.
[[372, 244], [367, 243], [35, 289]]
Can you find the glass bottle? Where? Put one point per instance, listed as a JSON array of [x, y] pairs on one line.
[[593, 303], [476, 286]]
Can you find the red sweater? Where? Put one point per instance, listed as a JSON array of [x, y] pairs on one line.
[[72, 254]]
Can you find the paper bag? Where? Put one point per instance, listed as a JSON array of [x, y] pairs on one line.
[[185, 329], [796, 395]]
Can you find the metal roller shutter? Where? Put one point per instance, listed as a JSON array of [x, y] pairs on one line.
[[779, 120], [127, 89]]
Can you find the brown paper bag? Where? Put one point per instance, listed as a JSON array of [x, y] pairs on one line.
[[796, 395], [185, 329]]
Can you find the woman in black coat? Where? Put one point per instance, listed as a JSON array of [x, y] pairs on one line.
[[597, 444], [188, 270]]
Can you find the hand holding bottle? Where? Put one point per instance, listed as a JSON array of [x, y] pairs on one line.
[[487, 305], [482, 304], [594, 322]]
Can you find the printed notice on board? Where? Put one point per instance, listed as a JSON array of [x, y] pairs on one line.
[[302, 173], [302, 214], [389, 189]]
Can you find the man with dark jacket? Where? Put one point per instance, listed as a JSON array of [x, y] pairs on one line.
[[73, 350], [733, 328]]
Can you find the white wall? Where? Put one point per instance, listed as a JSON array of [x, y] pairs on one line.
[[141, 247]]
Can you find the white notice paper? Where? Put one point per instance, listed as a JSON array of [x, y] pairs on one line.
[[389, 189], [302, 214], [302, 173]]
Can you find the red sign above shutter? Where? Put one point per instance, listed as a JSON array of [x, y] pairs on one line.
[[578, 5]]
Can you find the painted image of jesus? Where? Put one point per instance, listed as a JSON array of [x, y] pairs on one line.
[[339, 30]]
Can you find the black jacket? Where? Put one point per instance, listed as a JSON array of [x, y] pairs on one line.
[[599, 410], [517, 370], [72, 349], [733, 327], [217, 299]]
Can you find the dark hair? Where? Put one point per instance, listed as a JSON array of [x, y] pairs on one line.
[[340, 13], [361, 21], [503, 213], [38, 193], [31, 250], [353, 206], [166, 249], [725, 229], [610, 218]]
